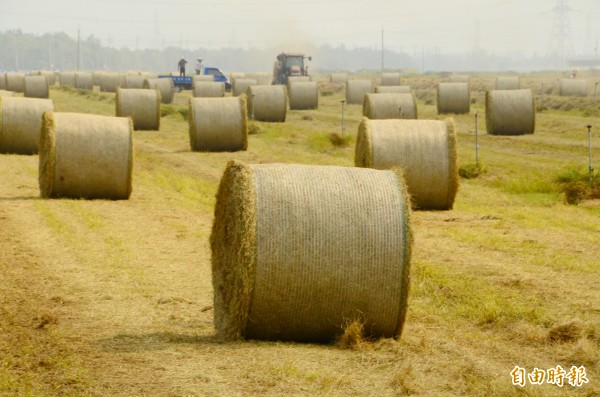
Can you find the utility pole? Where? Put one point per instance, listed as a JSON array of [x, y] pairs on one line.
[[78, 48], [382, 52]]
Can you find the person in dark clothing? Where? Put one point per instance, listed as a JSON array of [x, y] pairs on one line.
[[181, 65]]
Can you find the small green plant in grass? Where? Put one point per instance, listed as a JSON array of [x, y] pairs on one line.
[[576, 185], [184, 112], [166, 110], [339, 140], [254, 129], [472, 170]]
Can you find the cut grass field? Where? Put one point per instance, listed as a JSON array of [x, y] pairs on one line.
[[114, 298]]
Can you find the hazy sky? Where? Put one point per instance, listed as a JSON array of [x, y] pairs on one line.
[[497, 26]]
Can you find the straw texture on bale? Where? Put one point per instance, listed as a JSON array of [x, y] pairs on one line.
[[134, 81], [109, 82], [218, 124], [267, 102], [390, 106], [2, 80], [6, 93], [84, 80], [202, 77], [510, 112], [300, 250], [508, 83], [263, 78], [453, 98], [237, 75], [356, 90], [392, 89], [573, 87], [85, 156], [142, 105], [67, 79], [390, 79], [298, 79], [20, 123], [208, 89], [339, 78], [240, 86], [36, 87], [424, 149], [15, 81], [50, 76], [165, 86], [303, 95]]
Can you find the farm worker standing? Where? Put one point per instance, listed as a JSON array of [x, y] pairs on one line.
[[181, 65], [199, 66]]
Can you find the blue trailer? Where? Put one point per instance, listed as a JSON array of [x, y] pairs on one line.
[[186, 82]]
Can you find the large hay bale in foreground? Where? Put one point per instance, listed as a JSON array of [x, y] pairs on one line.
[[84, 80], [240, 86], [453, 98], [36, 87], [67, 79], [6, 93], [510, 112], [390, 106], [109, 82], [165, 86], [303, 95], [299, 251], [218, 124], [85, 156], [356, 90], [208, 89], [338, 78], [390, 79], [20, 123], [142, 105], [15, 81], [573, 87], [508, 83], [424, 149], [267, 102], [393, 89]]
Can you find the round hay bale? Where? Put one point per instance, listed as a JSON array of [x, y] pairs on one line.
[[508, 83], [267, 102], [218, 124], [6, 93], [85, 156], [134, 81], [573, 87], [109, 82], [36, 87], [453, 98], [299, 251], [393, 89], [237, 75], [15, 81], [510, 112], [165, 86], [390, 106], [424, 149], [390, 79], [208, 89], [84, 81], [67, 79], [202, 77], [338, 78], [240, 86], [303, 95], [50, 76], [2, 80], [97, 77], [298, 79], [142, 105], [263, 78], [20, 123], [356, 90]]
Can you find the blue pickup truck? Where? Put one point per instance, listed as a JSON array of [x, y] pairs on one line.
[[186, 82]]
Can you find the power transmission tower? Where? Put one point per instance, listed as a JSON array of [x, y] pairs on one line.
[[561, 44]]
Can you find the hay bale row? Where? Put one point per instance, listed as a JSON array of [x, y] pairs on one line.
[[165, 86], [299, 250], [303, 95], [109, 82], [142, 105], [508, 83], [573, 87], [84, 81], [356, 90], [424, 149], [393, 89], [67, 79], [338, 78], [85, 156], [510, 112], [20, 123], [267, 102], [453, 98], [36, 87], [390, 79], [390, 106], [207, 89], [240, 86], [218, 124], [15, 81]]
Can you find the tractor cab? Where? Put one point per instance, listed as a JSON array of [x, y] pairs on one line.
[[289, 64]]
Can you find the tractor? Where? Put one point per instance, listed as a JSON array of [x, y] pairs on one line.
[[289, 64]]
